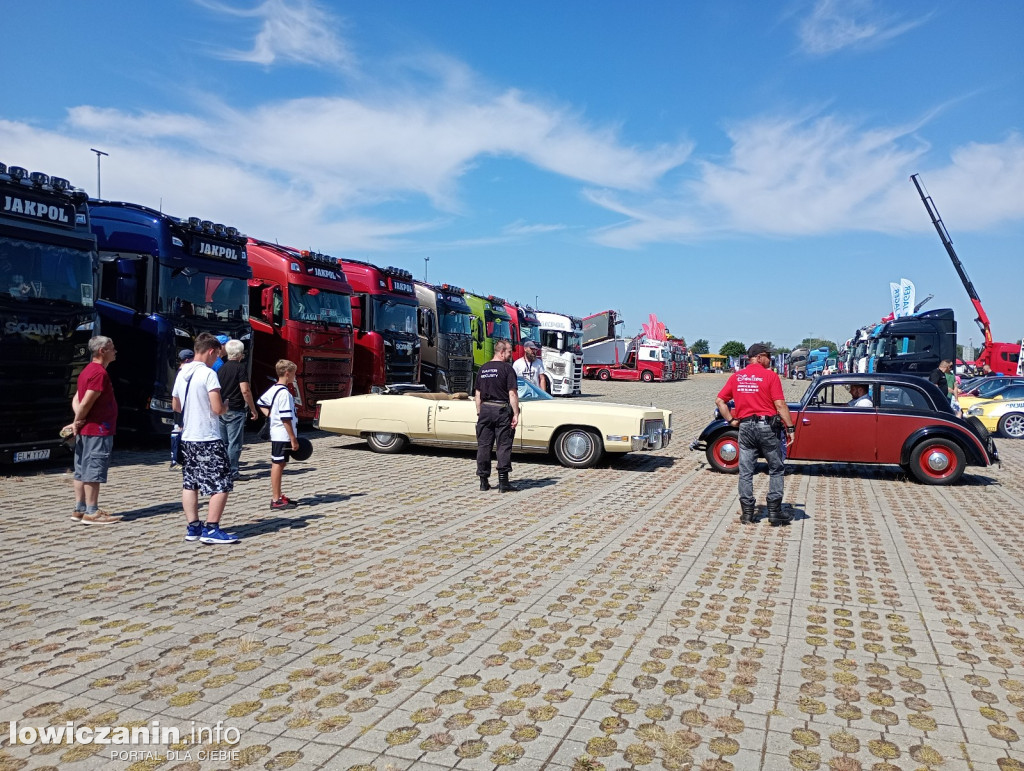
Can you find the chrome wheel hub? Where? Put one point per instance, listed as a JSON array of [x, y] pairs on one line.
[[577, 446], [937, 461], [728, 452]]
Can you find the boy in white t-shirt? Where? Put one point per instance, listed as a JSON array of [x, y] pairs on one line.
[[279, 407], [205, 466]]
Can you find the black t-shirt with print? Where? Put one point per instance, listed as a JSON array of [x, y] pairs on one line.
[[231, 375], [495, 380]]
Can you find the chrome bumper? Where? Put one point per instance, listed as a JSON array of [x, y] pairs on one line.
[[656, 440]]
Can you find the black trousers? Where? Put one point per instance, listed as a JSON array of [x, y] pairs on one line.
[[494, 426]]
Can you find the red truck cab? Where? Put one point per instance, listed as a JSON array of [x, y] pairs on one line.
[[301, 311], [384, 313], [525, 326]]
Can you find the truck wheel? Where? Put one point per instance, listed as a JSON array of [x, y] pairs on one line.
[[604, 375], [724, 453], [380, 441], [937, 462], [800, 375], [578, 448], [1011, 425], [647, 376]]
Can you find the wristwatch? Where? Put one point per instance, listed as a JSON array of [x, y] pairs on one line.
[[790, 429]]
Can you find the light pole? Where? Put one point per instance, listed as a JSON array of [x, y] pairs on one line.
[[536, 301], [99, 153], [426, 264]]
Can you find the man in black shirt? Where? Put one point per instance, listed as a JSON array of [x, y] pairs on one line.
[[938, 375], [235, 391], [497, 409]]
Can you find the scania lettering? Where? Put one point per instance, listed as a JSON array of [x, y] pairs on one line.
[[446, 343], [490, 323], [164, 280], [47, 276], [300, 309], [562, 351], [384, 307]]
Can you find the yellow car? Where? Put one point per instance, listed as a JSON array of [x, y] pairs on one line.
[[1004, 414], [578, 433]]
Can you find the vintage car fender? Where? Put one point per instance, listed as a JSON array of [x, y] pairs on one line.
[[974, 451], [384, 425], [710, 432]]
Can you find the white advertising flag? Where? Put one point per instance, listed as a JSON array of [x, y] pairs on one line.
[[894, 295], [908, 296], [1020, 359]]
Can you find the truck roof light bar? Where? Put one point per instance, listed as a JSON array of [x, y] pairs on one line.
[[207, 226], [3, 171], [391, 270], [60, 184], [219, 229], [232, 232], [453, 289], [40, 180], [195, 223], [18, 173], [495, 300]]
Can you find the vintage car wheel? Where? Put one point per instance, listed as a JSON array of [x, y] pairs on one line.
[[578, 448], [937, 462], [604, 375], [724, 453], [1011, 425], [800, 375], [647, 376], [381, 441]]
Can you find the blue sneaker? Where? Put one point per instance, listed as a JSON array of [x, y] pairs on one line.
[[213, 534], [195, 529]]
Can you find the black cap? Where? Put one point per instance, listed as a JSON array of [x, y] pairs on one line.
[[186, 355], [757, 349]]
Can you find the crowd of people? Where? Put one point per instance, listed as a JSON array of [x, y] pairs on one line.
[[211, 399]]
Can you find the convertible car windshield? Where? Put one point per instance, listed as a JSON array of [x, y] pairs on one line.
[[528, 392]]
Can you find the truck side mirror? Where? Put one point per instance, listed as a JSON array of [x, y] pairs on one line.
[[267, 304]]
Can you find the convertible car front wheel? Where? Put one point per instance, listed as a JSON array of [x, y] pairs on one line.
[[724, 453], [380, 441], [578, 448], [937, 462]]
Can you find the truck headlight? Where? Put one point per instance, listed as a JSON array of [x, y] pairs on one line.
[[161, 405]]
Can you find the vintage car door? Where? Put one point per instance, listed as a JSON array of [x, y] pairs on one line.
[[828, 429], [454, 421], [902, 409]]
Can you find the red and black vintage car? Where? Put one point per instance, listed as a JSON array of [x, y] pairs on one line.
[[910, 423]]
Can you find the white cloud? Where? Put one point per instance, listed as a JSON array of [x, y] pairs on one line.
[[520, 228], [298, 31], [812, 176], [837, 24]]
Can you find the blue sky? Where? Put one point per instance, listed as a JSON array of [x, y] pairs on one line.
[[741, 169]]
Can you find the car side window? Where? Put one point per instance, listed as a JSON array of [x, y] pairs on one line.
[[903, 396], [831, 395]]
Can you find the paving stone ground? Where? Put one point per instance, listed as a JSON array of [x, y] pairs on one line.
[[617, 617]]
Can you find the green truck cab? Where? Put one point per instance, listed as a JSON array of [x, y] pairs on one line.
[[490, 322]]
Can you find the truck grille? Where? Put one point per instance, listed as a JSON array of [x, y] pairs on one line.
[[326, 367], [577, 377], [460, 382]]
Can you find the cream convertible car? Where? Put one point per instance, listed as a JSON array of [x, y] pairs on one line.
[[577, 433]]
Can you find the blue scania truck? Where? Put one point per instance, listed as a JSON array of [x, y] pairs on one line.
[[47, 315], [162, 281]]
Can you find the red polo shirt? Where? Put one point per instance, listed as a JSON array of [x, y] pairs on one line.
[[754, 389]]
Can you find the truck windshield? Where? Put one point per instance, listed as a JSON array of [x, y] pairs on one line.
[[391, 316], [498, 327], [454, 323], [31, 270], [561, 341], [319, 306], [190, 293], [530, 333]]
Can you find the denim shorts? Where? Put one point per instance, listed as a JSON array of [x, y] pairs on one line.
[[92, 458]]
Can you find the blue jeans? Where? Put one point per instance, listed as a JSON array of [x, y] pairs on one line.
[[759, 439], [232, 429]]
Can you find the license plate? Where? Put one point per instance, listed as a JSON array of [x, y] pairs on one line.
[[21, 457]]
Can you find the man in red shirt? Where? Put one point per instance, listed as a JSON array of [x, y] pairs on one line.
[[94, 426], [756, 392]]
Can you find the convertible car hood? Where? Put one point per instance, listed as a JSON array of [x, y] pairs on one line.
[[590, 407]]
